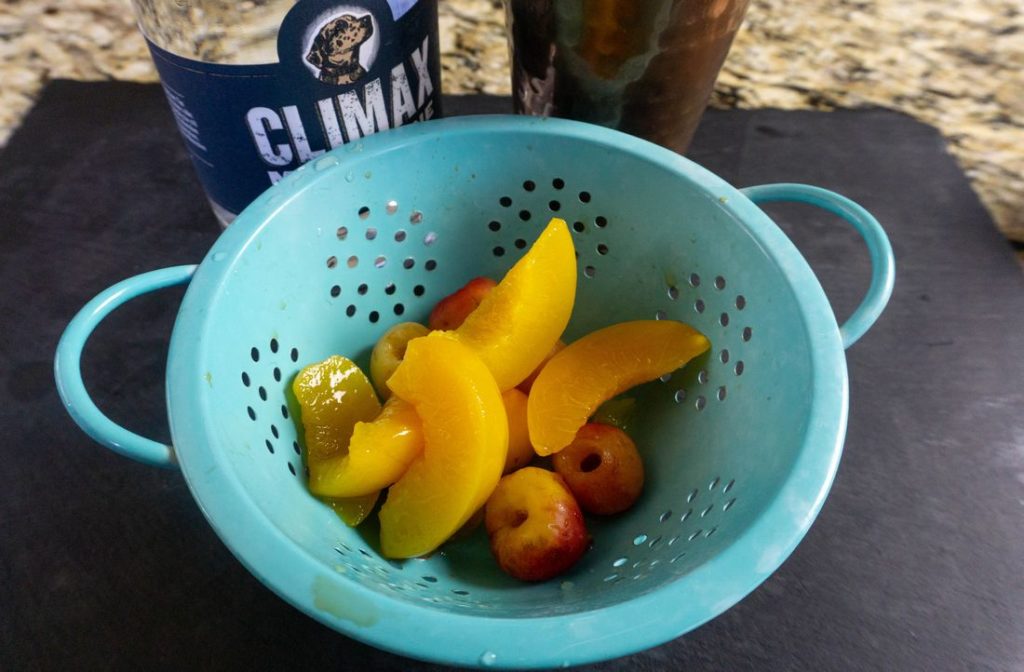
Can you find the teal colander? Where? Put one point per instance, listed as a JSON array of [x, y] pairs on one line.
[[740, 447]]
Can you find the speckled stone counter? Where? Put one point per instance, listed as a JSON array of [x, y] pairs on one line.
[[957, 66]]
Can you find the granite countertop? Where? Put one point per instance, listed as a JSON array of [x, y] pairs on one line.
[[957, 66]]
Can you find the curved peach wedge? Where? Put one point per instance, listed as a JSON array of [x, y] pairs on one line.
[[518, 322], [333, 396], [465, 440], [599, 366], [379, 452]]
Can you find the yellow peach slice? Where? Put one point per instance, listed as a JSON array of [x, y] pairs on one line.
[[599, 366], [465, 440], [518, 322], [379, 452]]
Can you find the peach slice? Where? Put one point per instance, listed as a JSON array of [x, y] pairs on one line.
[[379, 452], [465, 440], [599, 366], [333, 396], [519, 321], [520, 450]]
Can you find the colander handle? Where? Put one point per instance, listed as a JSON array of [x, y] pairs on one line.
[[883, 268], [67, 367]]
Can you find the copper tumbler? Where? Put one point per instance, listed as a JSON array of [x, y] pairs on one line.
[[645, 67]]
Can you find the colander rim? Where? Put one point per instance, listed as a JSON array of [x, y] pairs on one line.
[[430, 633]]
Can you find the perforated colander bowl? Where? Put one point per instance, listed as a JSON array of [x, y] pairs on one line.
[[740, 447]]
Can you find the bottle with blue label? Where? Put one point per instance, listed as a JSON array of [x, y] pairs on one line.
[[260, 87]]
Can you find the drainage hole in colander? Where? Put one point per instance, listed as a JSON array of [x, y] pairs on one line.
[[728, 486], [520, 244], [525, 215], [741, 302], [665, 377], [364, 212], [456, 591], [245, 379], [673, 539], [255, 354], [270, 446], [353, 261], [498, 251], [273, 345], [694, 535], [342, 232], [390, 288], [694, 280], [590, 271], [710, 532], [602, 249], [700, 403], [275, 432], [714, 483], [665, 516], [723, 319], [692, 496], [707, 510], [430, 238], [400, 235], [416, 217], [294, 354], [600, 221], [579, 227], [430, 265], [554, 206], [619, 562], [505, 201], [251, 412], [678, 558], [371, 233], [529, 185], [351, 310], [698, 305], [653, 543], [399, 309], [722, 392], [380, 262], [262, 392], [639, 539], [430, 579], [660, 315], [374, 316], [494, 226], [747, 333], [719, 282], [682, 518], [739, 368], [336, 291], [702, 377], [418, 290], [363, 289], [584, 197], [291, 468], [391, 207], [679, 396], [295, 447], [724, 356], [673, 292], [277, 374], [332, 262], [728, 505]]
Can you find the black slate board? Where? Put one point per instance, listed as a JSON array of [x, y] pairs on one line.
[[914, 563]]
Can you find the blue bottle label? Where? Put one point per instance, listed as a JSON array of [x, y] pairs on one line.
[[346, 70]]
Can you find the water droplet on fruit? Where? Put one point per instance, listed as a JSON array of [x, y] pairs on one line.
[[488, 658]]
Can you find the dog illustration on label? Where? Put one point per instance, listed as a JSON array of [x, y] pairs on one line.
[[335, 49]]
